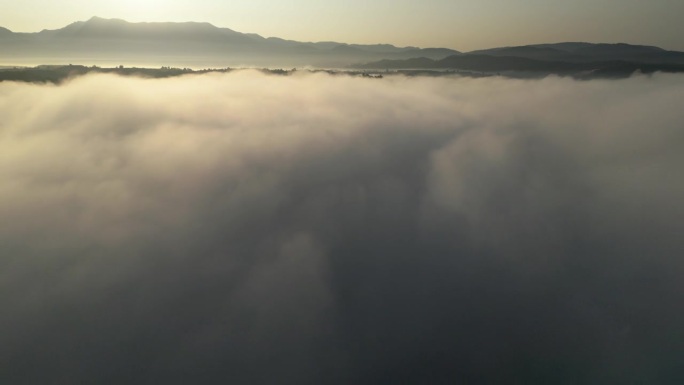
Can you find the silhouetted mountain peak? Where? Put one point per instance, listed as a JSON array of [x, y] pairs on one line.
[[528, 51], [102, 20], [618, 48], [586, 52], [118, 29]]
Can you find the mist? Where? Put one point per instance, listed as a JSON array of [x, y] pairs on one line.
[[258, 229]]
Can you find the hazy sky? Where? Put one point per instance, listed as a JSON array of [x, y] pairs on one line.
[[458, 24]]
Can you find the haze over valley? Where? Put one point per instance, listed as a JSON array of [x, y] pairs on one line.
[[182, 203]]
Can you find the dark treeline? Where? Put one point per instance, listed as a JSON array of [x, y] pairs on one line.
[[57, 74]]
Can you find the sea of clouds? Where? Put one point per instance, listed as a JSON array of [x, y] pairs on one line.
[[314, 229]]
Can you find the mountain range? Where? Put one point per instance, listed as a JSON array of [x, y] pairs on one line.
[[574, 59], [587, 52], [113, 40], [192, 44]]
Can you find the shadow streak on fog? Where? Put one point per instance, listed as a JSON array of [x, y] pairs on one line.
[[317, 229]]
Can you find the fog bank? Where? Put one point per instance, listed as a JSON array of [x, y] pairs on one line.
[[259, 229]]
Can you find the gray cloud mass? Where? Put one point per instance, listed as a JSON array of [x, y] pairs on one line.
[[253, 229]]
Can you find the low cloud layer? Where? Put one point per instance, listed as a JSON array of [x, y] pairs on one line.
[[253, 229]]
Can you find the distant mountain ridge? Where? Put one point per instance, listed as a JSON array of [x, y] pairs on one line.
[[116, 39], [587, 52], [112, 41], [576, 59], [120, 29]]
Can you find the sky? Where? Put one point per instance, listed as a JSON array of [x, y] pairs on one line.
[[456, 24]]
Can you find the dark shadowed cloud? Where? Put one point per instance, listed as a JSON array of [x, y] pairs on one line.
[[252, 229]]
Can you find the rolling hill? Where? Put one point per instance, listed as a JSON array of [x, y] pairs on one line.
[[576, 59]]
